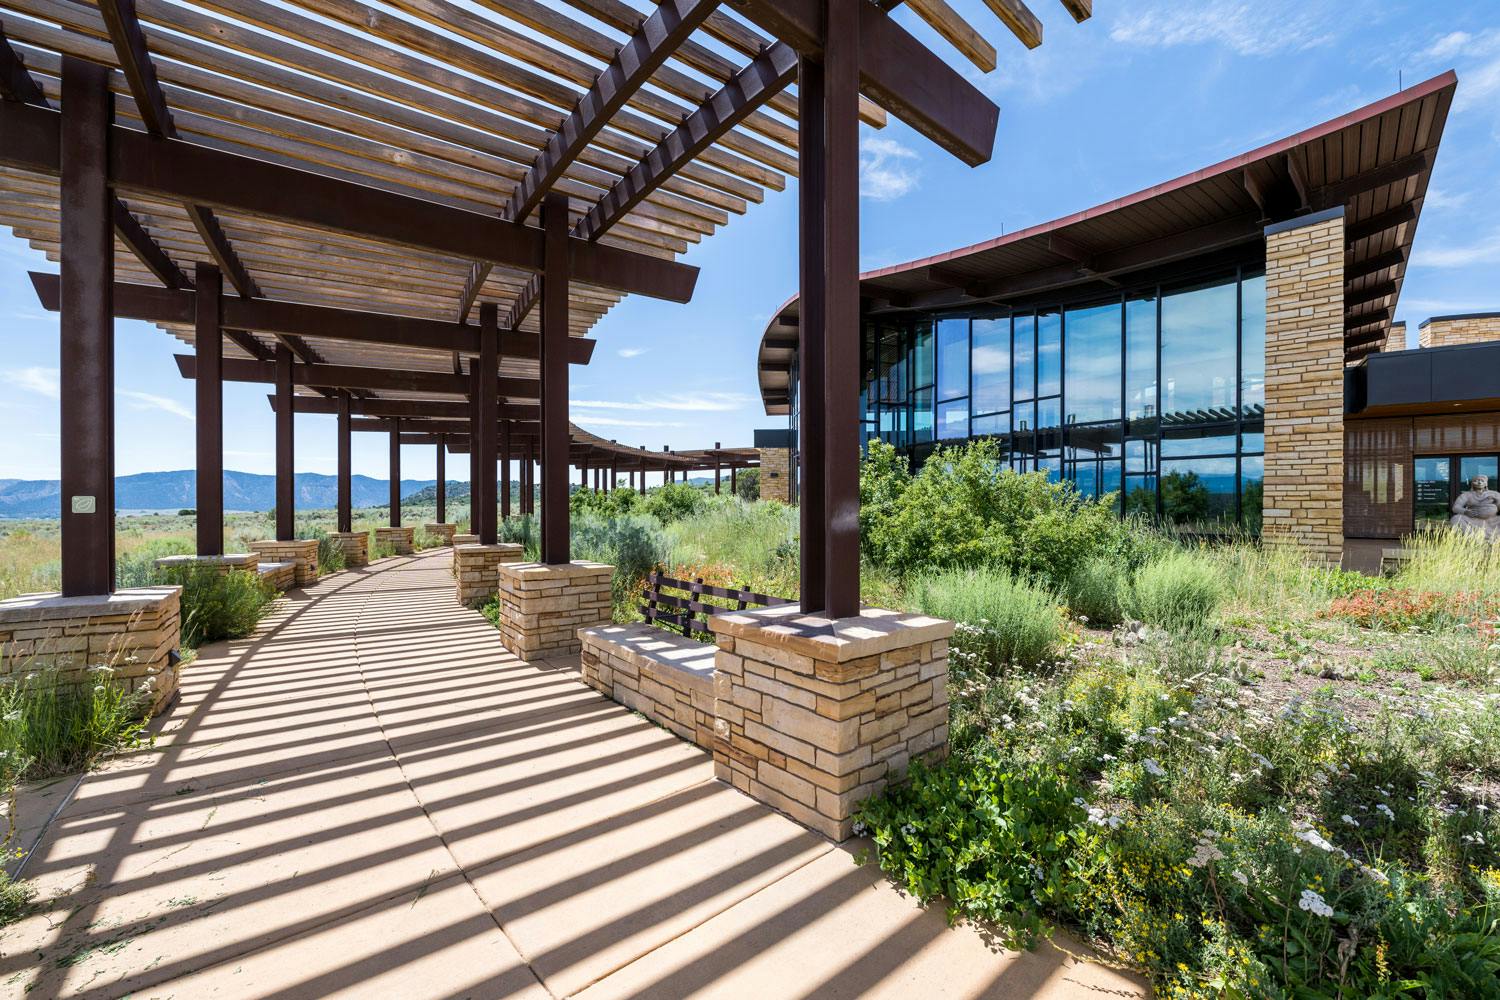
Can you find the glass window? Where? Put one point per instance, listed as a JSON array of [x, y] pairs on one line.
[[1049, 424], [1197, 351], [1140, 454], [921, 355], [1210, 439], [1198, 493], [1140, 359], [1253, 344], [1252, 493], [994, 423], [1048, 354], [1140, 496], [953, 420], [921, 416], [952, 358], [1051, 465], [1470, 466], [991, 365], [1091, 458], [1432, 477], [1092, 363], [1023, 357]]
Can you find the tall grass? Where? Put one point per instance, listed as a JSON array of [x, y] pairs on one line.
[[218, 605], [50, 727], [1009, 620], [633, 544], [1450, 562], [1178, 591], [738, 544], [526, 529]]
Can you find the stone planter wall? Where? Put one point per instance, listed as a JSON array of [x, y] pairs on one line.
[[244, 561], [355, 545], [667, 678], [134, 634], [399, 540], [280, 575], [542, 607], [441, 531], [814, 716], [303, 552], [477, 569]]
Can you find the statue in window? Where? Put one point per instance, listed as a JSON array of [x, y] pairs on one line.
[[1477, 509]]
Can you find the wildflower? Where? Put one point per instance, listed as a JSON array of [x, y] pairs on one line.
[[1315, 904], [860, 829], [907, 829], [1240, 877], [1349, 820], [1153, 768], [1386, 811]]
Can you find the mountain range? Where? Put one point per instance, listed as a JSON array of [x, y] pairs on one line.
[[178, 490]]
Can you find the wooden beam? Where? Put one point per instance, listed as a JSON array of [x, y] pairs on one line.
[[525, 301], [1376, 264], [1016, 16], [956, 31], [896, 71], [430, 409], [479, 272], [1343, 192], [668, 27], [353, 377], [183, 171], [766, 75], [1353, 300], [296, 319], [1298, 178], [1081, 10], [1378, 225]]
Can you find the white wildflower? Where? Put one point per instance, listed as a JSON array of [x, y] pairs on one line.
[[1153, 768], [1386, 811], [1314, 904], [1316, 839], [1349, 820], [1241, 878]]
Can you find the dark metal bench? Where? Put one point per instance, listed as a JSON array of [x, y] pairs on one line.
[[681, 611]]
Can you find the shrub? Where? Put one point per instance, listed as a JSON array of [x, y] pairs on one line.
[[523, 528], [633, 544], [49, 726], [219, 605], [15, 899], [137, 568], [747, 484], [330, 554], [610, 504], [675, 501], [1008, 620], [755, 545], [1096, 591], [1179, 591], [1401, 609]]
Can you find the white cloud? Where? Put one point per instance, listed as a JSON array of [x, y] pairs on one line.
[[1245, 28], [150, 401], [1477, 58], [887, 169], [1443, 307], [602, 421], [42, 381], [1485, 251], [631, 352], [1439, 198], [1448, 45], [713, 402]]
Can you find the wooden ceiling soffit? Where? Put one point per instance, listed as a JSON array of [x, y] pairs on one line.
[[354, 377]]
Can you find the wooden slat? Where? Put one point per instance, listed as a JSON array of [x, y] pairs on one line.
[[1016, 16], [945, 21]]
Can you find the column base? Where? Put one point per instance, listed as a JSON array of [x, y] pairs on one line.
[[354, 544], [246, 562], [812, 716], [443, 532], [399, 540], [465, 539], [477, 569], [134, 634], [542, 607], [302, 552]]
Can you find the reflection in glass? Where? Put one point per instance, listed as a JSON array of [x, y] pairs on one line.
[[1049, 424], [1252, 493], [1023, 355], [1092, 361], [1198, 492], [1211, 439], [1433, 487], [991, 365], [921, 416], [1197, 349], [994, 423], [1470, 466], [1140, 496], [1253, 344], [921, 355], [1140, 359], [1048, 353], [953, 420], [952, 358]]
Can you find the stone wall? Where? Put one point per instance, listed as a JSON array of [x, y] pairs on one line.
[[477, 569], [775, 474], [279, 575], [1304, 464], [443, 532], [814, 716], [542, 607], [354, 544], [398, 540], [667, 678], [244, 561], [134, 634], [1445, 331], [303, 552]]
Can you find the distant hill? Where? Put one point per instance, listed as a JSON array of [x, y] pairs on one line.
[[177, 490]]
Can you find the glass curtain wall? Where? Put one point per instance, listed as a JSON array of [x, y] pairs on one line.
[[1156, 395]]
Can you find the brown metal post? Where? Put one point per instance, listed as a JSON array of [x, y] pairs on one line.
[[395, 485], [208, 417], [286, 487], [504, 469], [442, 479], [583, 476], [346, 466], [812, 184], [734, 486], [840, 444], [531, 477], [476, 487], [86, 342], [555, 527], [489, 417], [717, 446]]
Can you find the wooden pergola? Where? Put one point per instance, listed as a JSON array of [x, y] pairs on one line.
[[413, 211]]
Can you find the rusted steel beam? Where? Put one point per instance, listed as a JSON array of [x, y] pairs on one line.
[[812, 175], [147, 250], [526, 300], [489, 416], [425, 409], [765, 77], [346, 464], [286, 487], [896, 71], [669, 26], [505, 446], [555, 541], [442, 479], [395, 473], [479, 271], [208, 417], [86, 334], [353, 377], [16, 84]]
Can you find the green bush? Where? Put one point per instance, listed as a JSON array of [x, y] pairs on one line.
[[49, 727], [1006, 620], [330, 554], [523, 528], [138, 568], [747, 484], [965, 509], [219, 605], [15, 899], [1096, 591], [1178, 591], [675, 501], [633, 544], [605, 504]]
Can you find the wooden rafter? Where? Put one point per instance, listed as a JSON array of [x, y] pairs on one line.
[[360, 377]]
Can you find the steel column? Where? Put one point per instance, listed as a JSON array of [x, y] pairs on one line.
[[86, 342], [554, 378], [504, 483], [208, 418], [812, 183], [476, 490], [442, 479], [717, 446], [395, 484], [346, 465], [286, 487], [489, 416], [734, 486]]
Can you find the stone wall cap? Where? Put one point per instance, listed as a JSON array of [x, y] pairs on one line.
[[227, 559], [348, 534], [289, 541], [496, 547], [48, 606], [537, 570], [268, 568], [872, 631], [646, 644], [439, 524]]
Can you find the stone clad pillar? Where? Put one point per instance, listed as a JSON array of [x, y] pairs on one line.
[[812, 716], [1304, 464], [477, 569], [543, 606]]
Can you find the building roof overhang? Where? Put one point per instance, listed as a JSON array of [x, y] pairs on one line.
[[1374, 163]]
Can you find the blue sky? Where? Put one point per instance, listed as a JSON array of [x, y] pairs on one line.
[[1147, 90]]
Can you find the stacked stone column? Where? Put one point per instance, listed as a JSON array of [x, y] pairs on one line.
[[301, 552], [542, 607], [442, 532], [1304, 463], [355, 545], [399, 539], [477, 569]]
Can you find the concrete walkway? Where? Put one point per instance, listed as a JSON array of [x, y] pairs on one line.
[[372, 798]]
